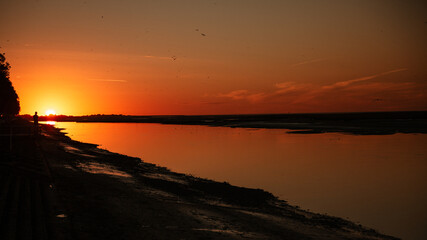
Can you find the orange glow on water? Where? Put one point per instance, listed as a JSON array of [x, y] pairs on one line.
[[377, 180]]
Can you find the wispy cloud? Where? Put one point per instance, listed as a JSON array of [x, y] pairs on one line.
[[281, 89], [243, 94], [107, 80], [236, 94], [348, 82], [308, 62], [293, 93], [347, 85], [286, 87], [214, 102]]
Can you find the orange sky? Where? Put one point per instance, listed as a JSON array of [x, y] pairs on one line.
[[216, 57]]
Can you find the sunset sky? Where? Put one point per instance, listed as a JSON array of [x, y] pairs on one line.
[[216, 57]]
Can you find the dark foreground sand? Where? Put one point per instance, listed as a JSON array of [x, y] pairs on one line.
[[57, 188]]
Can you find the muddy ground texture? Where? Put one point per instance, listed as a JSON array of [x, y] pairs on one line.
[[56, 188]]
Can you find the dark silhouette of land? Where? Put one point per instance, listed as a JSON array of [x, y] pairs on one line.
[[374, 123], [55, 188]]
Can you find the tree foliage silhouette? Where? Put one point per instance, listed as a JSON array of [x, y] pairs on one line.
[[9, 100]]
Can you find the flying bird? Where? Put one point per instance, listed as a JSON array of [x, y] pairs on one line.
[[204, 35]]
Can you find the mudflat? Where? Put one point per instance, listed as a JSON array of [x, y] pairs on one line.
[[58, 188]]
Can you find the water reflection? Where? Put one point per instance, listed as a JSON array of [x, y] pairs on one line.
[[380, 181], [98, 168], [48, 122]]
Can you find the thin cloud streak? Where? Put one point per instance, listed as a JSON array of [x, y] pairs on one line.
[[308, 62], [107, 80], [236, 94], [243, 94], [348, 82], [297, 93], [341, 85]]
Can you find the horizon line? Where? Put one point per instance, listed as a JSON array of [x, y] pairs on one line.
[[289, 113]]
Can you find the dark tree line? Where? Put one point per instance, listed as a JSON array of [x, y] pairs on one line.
[[9, 100]]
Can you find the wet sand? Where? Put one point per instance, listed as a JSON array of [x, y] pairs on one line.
[[90, 193]]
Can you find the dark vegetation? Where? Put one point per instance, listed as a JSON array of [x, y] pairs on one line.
[[9, 101]]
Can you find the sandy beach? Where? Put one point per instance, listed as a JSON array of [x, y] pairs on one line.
[[79, 191]]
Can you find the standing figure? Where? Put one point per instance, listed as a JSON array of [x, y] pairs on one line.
[[36, 124]]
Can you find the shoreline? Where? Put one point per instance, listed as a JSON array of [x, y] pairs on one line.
[[216, 209], [74, 190]]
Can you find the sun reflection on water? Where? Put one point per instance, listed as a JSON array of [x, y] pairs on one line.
[[52, 123]]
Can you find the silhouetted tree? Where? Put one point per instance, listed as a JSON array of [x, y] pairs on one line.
[[9, 100]]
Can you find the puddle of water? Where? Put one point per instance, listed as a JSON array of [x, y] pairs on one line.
[[76, 151], [69, 148], [99, 168], [165, 177]]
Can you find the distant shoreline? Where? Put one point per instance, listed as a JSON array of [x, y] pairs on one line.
[[368, 123]]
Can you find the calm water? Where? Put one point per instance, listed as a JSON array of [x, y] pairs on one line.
[[379, 181]]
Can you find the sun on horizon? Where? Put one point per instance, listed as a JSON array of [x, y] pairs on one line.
[[50, 112]]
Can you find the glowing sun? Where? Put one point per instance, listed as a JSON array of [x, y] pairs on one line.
[[50, 112]]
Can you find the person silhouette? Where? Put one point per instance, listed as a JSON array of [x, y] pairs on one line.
[[36, 123]]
